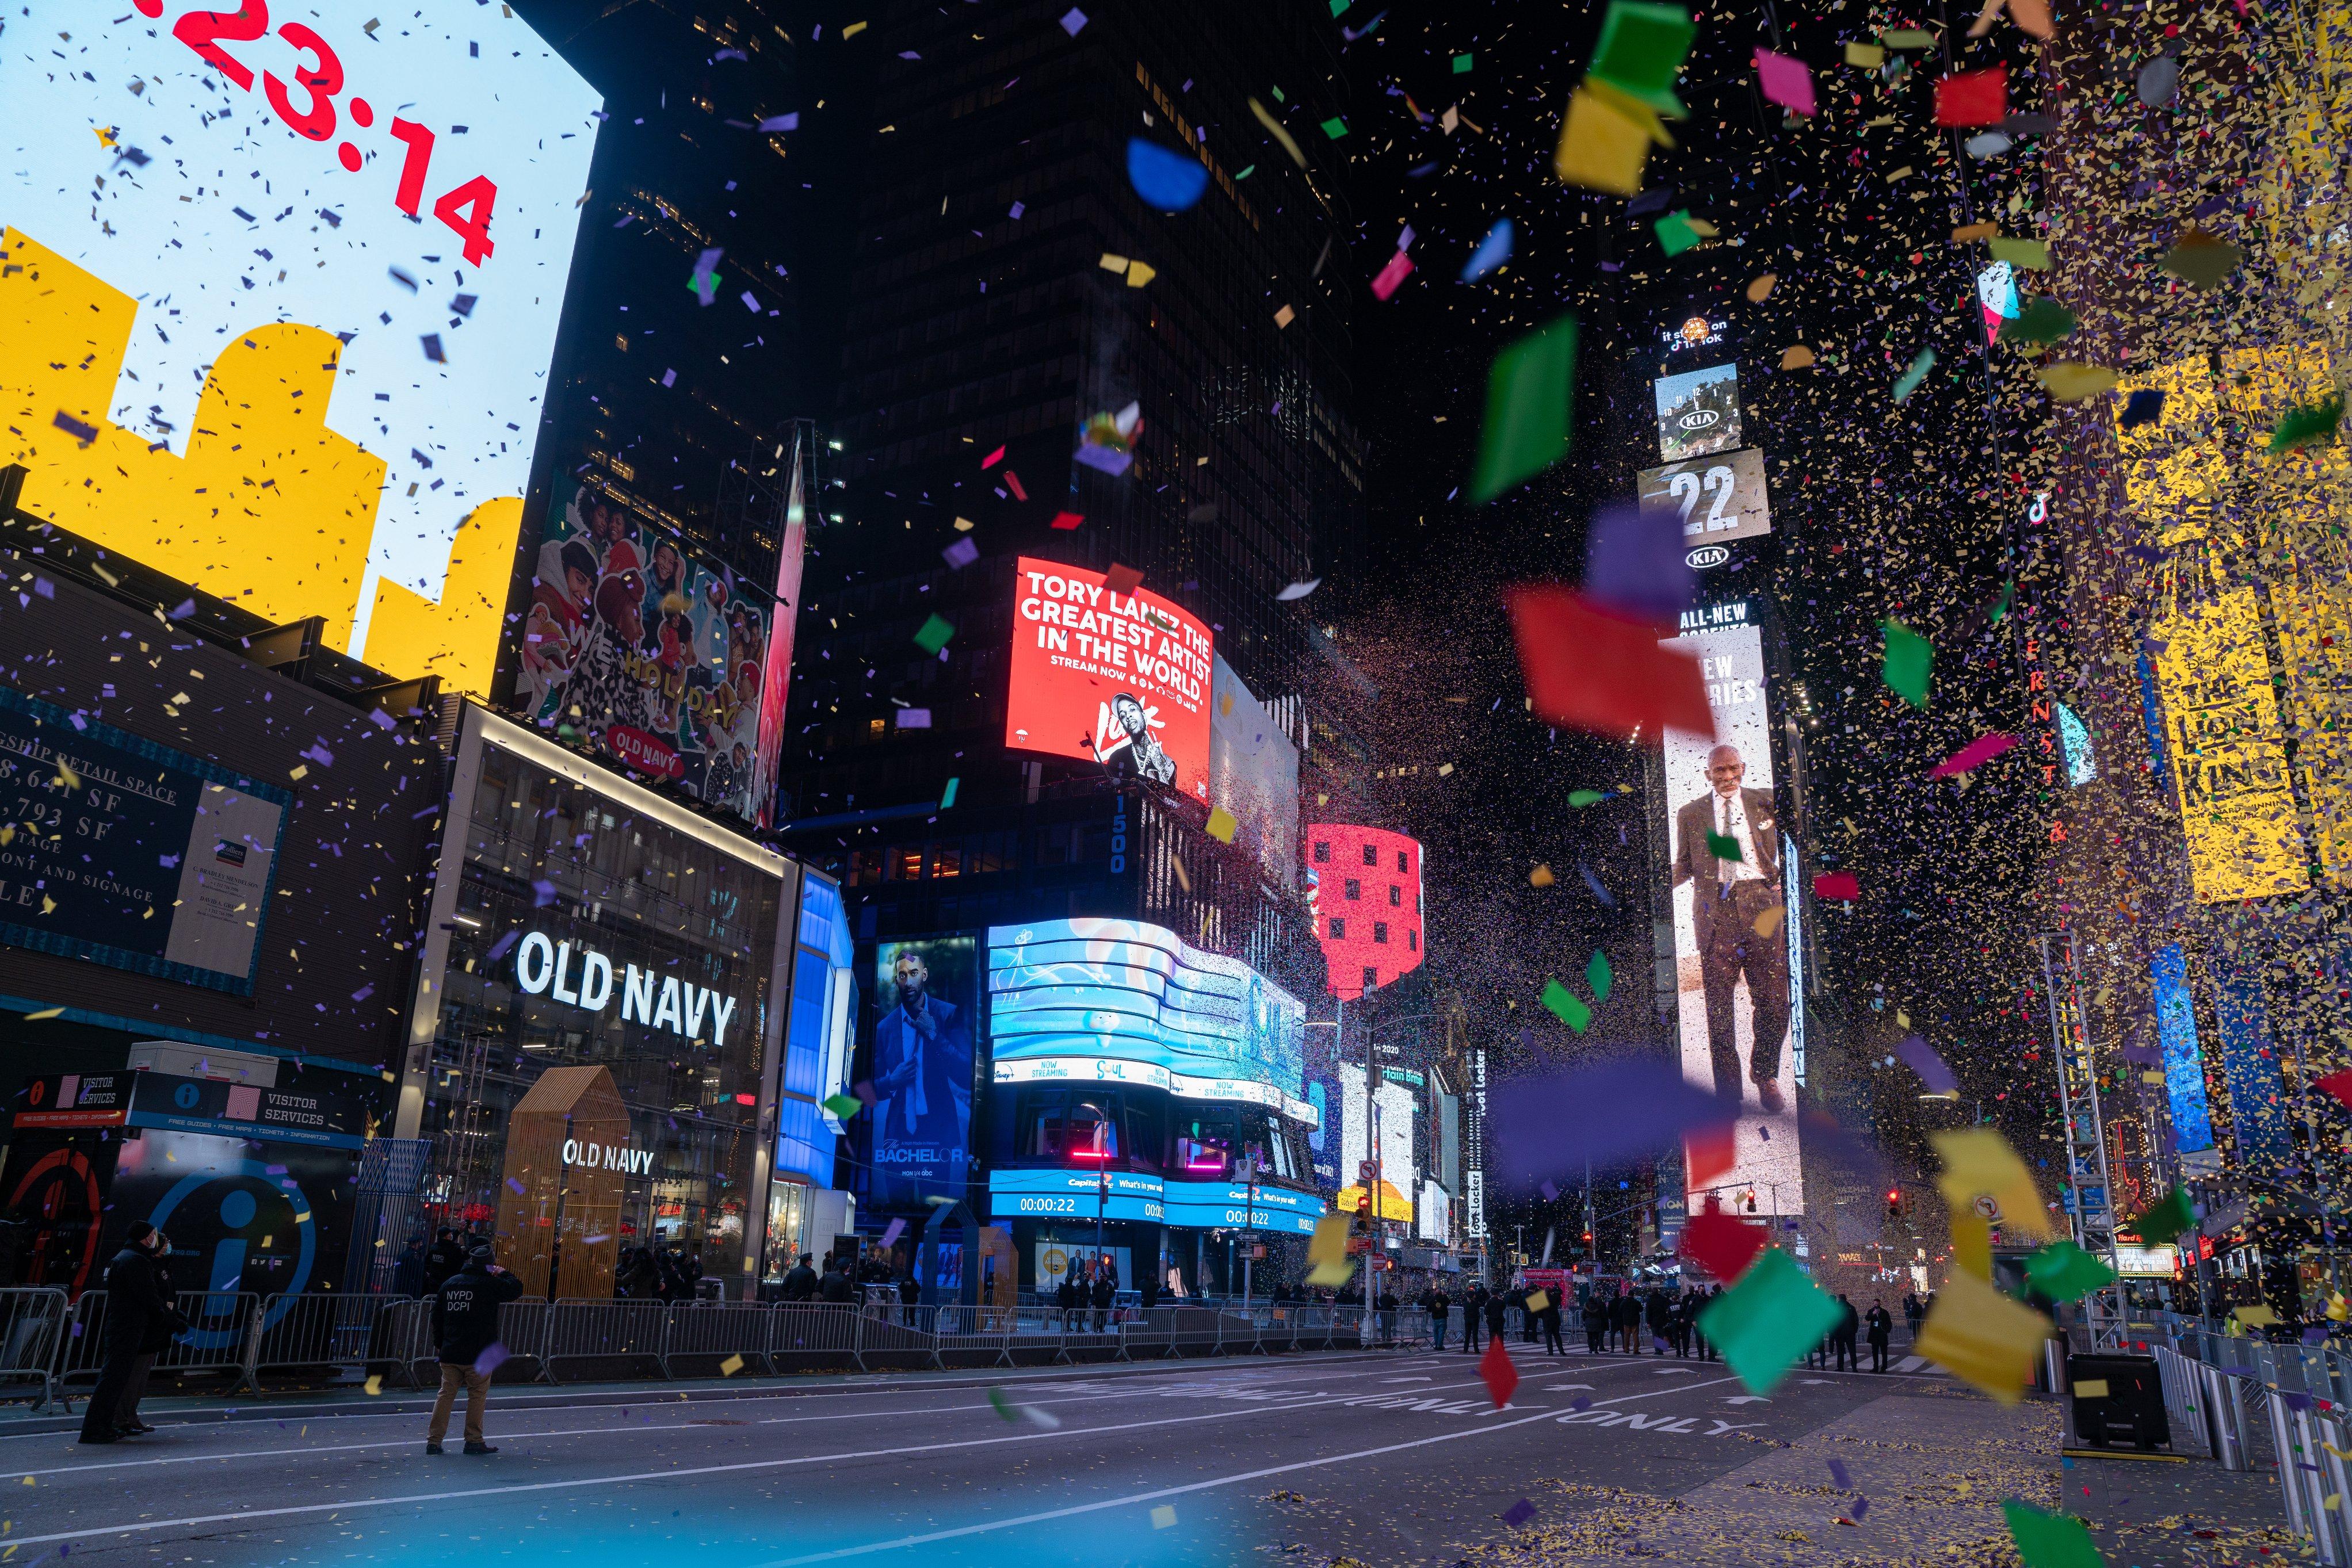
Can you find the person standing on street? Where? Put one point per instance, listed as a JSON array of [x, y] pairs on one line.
[[1660, 1315], [1881, 1327], [1629, 1320], [833, 1288], [1596, 1319], [445, 1257], [1439, 1305], [167, 1325], [1707, 1345], [800, 1283], [1105, 1291], [1497, 1316], [408, 1269], [133, 1306], [1912, 1312], [1551, 1316], [1841, 1337], [1473, 1307], [464, 1325]]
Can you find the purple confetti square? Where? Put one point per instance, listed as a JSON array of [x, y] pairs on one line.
[[1518, 1513], [543, 894], [518, 1189], [962, 553], [1550, 1191], [1838, 1474], [1074, 20], [1861, 1506], [491, 1359], [1582, 1402]]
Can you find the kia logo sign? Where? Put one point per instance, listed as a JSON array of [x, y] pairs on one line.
[[1706, 555], [1700, 418]]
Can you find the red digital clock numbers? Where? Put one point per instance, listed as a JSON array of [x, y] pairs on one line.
[[317, 78]]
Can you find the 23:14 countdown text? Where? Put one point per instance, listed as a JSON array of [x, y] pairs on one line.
[[317, 78]]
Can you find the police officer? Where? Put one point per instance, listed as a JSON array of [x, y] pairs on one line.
[[464, 1325]]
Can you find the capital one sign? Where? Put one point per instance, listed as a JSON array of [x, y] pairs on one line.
[[579, 975]]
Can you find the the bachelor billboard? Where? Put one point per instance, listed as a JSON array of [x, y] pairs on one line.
[[279, 294], [1120, 678]]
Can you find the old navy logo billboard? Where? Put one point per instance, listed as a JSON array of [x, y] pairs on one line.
[[545, 967]]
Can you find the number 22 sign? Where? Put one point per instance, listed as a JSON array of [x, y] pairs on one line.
[[1719, 497], [466, 208]]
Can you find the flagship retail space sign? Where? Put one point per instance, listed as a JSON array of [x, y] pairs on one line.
[[580, 976]]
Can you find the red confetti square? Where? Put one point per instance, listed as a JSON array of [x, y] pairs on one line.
[[1501, 1377]]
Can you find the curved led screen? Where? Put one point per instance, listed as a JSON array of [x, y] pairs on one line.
[[1120, 1000]]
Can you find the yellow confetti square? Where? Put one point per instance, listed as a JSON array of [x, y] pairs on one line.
[[2091, 1388], [1868, 56], [1601, 146], [1222, 825], [1163, 1516], [731, 1365], [375, 1383]]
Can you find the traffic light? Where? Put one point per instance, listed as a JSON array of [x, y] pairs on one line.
[[1894, 1203]]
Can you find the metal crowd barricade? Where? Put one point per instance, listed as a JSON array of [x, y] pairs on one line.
[[522, 1335], [405, 1334], [607, 1335], [83, 1348], [1236, 1331], [32, 1327], [2185, 1398], [333, 1330], [972, 1336], [1151, 1332], [807, 1335], [223, 1335], [1192, 1329], [903, 1338], [703, 1337]]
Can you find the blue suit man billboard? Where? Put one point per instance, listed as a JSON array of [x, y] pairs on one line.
[[922, 1080]]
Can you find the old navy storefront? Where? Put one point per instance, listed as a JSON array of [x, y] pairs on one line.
[[1145, 1098], [595, 1062]]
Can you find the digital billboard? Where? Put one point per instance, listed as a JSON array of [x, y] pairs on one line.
[[1698, 412], [1720, 497], [1122, 679], [1392, 1115], [643, 653], [2184, 1062], [1253, 775], [919, 1128], [130, 853], [279, 298], [1732, 951], [1363, 889], [1119, 1001]]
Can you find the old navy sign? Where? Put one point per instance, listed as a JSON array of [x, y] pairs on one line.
[[544, 966], [607, 1156]]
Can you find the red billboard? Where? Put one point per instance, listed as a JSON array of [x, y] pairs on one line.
[[1364, 886], [1118, 678]]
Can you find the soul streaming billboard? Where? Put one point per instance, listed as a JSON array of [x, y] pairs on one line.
[[1733, 964], [645, 653], [1122, 678], [278, 297]]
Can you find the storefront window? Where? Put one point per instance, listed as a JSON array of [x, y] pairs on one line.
[[590, 937]]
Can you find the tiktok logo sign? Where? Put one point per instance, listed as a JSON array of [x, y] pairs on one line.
[[230, 1214]]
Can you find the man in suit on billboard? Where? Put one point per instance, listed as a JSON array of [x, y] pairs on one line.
[[923, 1076], [1728, 897]]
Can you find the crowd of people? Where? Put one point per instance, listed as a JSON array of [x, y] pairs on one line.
[[641, 1273]]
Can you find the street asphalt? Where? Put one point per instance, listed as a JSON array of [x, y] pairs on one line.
[[1394, 1457]]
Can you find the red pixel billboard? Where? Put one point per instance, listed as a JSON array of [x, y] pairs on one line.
[[1118, 678]]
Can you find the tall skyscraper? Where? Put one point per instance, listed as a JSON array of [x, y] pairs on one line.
[[1038, 362]]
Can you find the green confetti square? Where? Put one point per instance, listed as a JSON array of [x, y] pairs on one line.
[[1917, 373], [1675, 234], [948, 795], [934, 635], [1529, 395], [2065, 1272], [1597, 975], [1771, 1317], [1339, 5], [1566, 1006], [1639, 52], [1723, 847], [2166, 1219], [1461, 64], [1335, 128], [844, 1106], [1910, 661], [1581, 799], [2051, 1540]]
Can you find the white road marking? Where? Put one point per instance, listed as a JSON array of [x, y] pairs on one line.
[[1135, 1498], [145, 1525]]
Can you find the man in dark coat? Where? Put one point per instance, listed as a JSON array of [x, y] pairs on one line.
[[1497, 1314], [800, 1281], [1550, 1316], [1596, 1319], [167, 1325], [134, 1305], [445, 1257], [1439, 1303], [465, 1326], [1660, 1315], [1882, 1327], [1841, 1337], [1474, 1312], [408, 1269], [1626, 1316], [834, 1286], [1106, 1291]]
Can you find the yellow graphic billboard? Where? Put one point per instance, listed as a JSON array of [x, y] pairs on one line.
[[2227, 751]]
